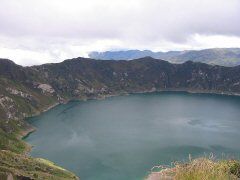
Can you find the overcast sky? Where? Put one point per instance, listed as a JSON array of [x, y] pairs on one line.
[[40, 31]]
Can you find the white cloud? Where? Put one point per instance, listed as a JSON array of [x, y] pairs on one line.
[[40, 31]]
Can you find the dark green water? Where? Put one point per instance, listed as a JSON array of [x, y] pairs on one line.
[[121, 138]]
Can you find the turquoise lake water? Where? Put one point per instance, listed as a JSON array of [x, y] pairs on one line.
[[122, 138]]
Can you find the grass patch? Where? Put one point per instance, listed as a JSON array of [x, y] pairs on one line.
[[9, 141], [200, 169], [203, 168], [11, 132], [23, 166]]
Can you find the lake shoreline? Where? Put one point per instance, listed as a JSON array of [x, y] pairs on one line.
[[27, 132]]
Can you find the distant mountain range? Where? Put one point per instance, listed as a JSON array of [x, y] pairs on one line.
[[217, 56]]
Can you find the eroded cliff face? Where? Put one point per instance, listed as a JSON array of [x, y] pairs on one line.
[[25, 91]]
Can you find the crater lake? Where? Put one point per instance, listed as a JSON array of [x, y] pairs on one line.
[[122, 138]]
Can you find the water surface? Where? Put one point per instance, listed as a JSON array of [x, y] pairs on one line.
[[121, 138]]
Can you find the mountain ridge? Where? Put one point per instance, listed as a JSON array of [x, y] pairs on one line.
[[86, 78]]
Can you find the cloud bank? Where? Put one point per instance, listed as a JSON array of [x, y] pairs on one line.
[[41, 31]]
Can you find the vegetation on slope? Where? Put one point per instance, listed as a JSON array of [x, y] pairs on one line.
[[11, 142], [200, 169], [19, 166], [14, 163], [19, 99], [11, 132]]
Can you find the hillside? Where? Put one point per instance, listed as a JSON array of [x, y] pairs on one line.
[[19, 166], [28, 91], [217, 56]]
